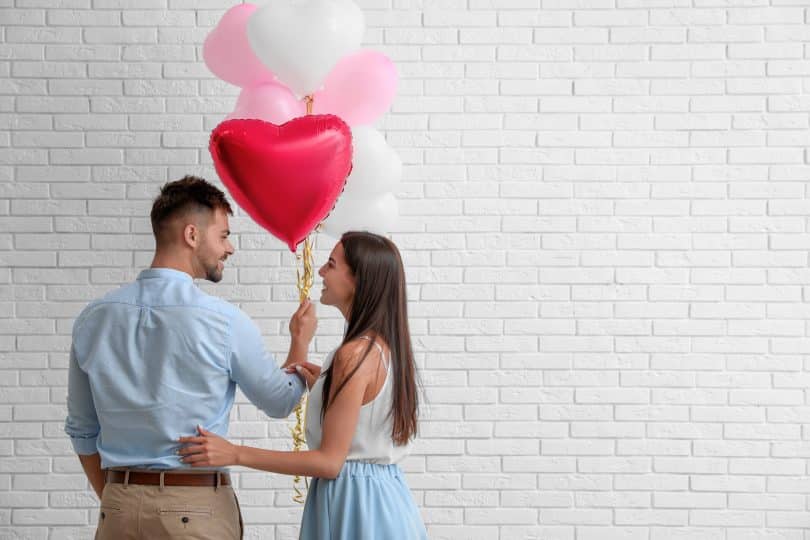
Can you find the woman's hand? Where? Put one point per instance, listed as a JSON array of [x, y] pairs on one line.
[[303, 323], [307, 371], [208, 450]]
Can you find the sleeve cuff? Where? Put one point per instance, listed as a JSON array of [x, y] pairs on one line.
[[83, 446], [297, 385]]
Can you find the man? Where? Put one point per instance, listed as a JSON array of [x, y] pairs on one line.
[[158, 359]]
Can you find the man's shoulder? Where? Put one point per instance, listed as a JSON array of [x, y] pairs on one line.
[[189, 300], [217, 304], [120, 295], [238, 323]]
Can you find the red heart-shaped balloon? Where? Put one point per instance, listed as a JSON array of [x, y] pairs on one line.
[[287, 177]]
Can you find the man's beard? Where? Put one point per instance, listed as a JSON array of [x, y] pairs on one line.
[[213, 274]]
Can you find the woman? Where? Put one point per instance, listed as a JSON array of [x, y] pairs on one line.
[[362, 408]]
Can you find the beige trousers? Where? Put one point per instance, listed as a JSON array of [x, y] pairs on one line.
[[136, 512]]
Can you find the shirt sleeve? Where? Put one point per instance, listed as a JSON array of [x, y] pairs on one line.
[[255, 371], [81, 423]]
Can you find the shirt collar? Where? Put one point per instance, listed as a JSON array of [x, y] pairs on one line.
[[165, 273]]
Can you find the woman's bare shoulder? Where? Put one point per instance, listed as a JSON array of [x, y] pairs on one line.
[[353, 352]]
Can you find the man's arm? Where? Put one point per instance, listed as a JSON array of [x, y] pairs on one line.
[[82, 423], [254, 369], [92, 468]]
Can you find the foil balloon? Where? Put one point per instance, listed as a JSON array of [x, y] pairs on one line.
[[376, 166], [359, 89], [286, 177], [377, 214], [271, 102], [300, 42], [227, 53]]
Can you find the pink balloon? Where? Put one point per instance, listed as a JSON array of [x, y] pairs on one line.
[[359, 88], [227, 53], [271, 102]]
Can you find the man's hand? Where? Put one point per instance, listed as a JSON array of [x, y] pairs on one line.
[[92, 468], [303, 323]]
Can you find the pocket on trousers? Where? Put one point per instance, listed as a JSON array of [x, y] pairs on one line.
[[181, 520], [108, 514]]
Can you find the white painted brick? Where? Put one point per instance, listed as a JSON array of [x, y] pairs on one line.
[[42, 34], [787, 519], [534, 53], [101, 70], [52, 105], [35, 139], [649, 35], [787, 15], [94, 53], [610, 18], [580, 69], [687, 17], [533, 17], [727, 34], [604, 225]]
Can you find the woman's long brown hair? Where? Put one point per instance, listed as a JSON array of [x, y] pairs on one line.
[[380, 306]]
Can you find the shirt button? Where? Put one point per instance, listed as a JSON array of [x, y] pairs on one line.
[[184, 520]]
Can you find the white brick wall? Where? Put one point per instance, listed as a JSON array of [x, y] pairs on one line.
[[605, 227]]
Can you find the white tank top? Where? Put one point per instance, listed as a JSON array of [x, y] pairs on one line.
[[372, 438]]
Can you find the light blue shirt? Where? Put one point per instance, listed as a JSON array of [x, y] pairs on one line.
[[153, 359]]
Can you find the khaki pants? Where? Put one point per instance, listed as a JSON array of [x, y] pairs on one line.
[[136, 512]]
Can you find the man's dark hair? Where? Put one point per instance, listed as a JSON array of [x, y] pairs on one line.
[[190, 193]]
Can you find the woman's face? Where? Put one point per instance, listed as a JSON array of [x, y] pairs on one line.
[[338, 281]]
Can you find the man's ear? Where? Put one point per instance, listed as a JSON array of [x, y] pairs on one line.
[[191, 235]]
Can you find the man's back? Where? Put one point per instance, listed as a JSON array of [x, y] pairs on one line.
[[155, 359]]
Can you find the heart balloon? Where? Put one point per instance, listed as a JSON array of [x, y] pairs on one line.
[[359, 89], [227, 53], [287, 177], [302, 41]]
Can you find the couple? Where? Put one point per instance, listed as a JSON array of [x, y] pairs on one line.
[[153, 371]]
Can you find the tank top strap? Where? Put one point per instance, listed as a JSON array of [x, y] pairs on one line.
[[386, 362]]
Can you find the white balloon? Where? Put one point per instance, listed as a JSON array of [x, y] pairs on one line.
[[377, 215], [376, 167], [302, 41]]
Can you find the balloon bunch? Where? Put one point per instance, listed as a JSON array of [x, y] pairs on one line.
[[292, 59], [285, 152]]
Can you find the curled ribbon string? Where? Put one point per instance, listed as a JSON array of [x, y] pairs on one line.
[[304, 284]]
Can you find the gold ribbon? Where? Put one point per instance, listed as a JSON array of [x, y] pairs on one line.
[[304, 284]]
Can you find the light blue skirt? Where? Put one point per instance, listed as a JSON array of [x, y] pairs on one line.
[[365, 502]]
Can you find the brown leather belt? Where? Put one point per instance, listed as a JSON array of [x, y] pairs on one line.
[[170, 478]]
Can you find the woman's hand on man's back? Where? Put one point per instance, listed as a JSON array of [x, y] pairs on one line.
[[308, 371]]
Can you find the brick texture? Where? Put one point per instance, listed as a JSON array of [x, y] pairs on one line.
[[605, 225]]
